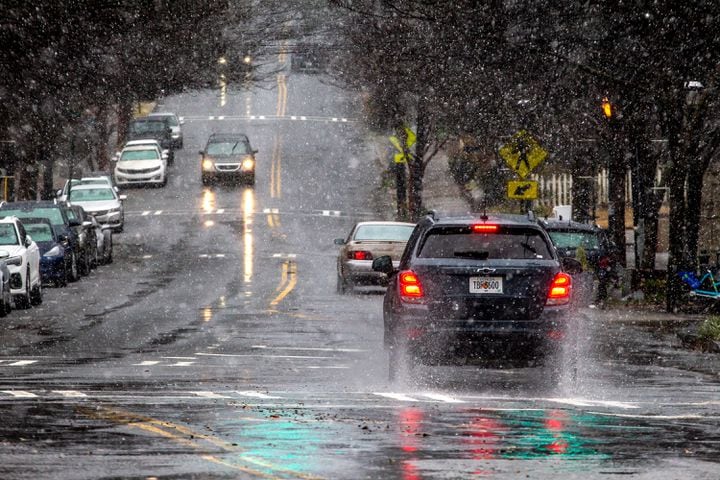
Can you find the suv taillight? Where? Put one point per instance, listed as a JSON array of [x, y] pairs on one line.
[[560, 289], [360, 255], [410, 287]]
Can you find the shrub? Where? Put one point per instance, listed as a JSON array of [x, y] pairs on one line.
[[710, 328]]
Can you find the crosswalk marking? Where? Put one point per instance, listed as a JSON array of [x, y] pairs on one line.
[[19, 393], [249, 393], [181, 364], [396, 396], [206, 394], [442, 398], [146, 363], [70, 393], [21, 363]]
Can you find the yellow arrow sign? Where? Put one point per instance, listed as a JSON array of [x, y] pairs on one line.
[[403, 155], [523, 153], [522, 189]]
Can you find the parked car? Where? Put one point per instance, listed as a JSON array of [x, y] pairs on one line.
[[488, 288], [100, 201], [6, 301], [590, 245], [366, 241], [147, 142], [141, 165], [87, 236], [144, 128], [104, 179], [227, 156], [22, 256], [175, 123], [54, 252], [63, 225]]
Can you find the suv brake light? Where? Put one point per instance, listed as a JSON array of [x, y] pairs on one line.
[[560, 289], [410, 286], [360, 255], [484, 228]]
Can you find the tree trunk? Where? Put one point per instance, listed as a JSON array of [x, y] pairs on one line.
[[677, 260], [416, 165]]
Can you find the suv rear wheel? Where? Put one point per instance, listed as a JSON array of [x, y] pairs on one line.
[[22, 301]]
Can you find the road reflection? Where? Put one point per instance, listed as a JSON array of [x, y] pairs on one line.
[[485, 436], [248, 209]]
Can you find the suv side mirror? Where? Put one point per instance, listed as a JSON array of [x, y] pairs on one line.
[[571, 266], [181, 121], [383, 264], [339, 241], [74, 222], [28, 240]]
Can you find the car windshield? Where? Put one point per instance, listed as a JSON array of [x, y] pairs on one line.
[[566, 239], [393, 233], [91, 194], [139, 128], [460, 242], [8, 236], [52, 214], [238, 147], [170, 119], [40, 232], [130, 155]]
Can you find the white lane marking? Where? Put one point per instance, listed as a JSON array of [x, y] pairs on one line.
[[180, 358], [220, 211], [221, 117], [22, 363], [158, 212], [181, 364], [146, 257], [211, 117], [334, 119], [146, 363], [70, 393], [293, 117], [240, 355], [19, 393], [313, 349], [262, 117], [250, 393], [396, 396], [442, 398], [303, 118], [582, 402], [329, 367], [271, 210], [284, 255], [689, 416], [145, 213], [219, 255], [343, 119], [206, 394]]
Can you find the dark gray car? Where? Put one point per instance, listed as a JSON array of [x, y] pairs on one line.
[[485, 288]]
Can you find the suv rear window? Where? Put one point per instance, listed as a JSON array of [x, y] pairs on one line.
[[462, 242]]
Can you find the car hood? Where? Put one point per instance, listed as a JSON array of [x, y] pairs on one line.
[[139, 164], [98, 205], [46, 246], [12, 250]]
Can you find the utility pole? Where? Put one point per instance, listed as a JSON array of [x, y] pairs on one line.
[[616, 183]]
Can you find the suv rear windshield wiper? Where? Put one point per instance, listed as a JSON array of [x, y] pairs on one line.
[[478, 255]]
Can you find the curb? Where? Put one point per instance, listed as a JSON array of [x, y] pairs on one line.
[[694, 341]]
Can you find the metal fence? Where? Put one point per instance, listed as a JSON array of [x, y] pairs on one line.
[[556, 189]]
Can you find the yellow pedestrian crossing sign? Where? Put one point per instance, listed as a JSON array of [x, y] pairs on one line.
[[403, 154], [522, 189], [523, 153]]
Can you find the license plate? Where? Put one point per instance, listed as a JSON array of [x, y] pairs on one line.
[[486, 285]]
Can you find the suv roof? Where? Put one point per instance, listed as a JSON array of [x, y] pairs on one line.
[[227, 136], [569, 225]]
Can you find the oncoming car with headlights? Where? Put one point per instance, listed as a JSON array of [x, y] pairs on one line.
[[485, 288], [227, 156]]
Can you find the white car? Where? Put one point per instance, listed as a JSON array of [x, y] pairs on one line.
[[175, 123], [62, 194], [141, 165], [101, 201], [22, 257], [146, 142]]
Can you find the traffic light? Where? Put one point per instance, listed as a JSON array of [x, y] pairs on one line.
[[607, 108]]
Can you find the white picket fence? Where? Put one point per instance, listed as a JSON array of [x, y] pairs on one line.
[[556, 189]]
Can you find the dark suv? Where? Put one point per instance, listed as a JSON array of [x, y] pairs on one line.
[[227, 156], [598, 254], [153, 128], [485, 288]]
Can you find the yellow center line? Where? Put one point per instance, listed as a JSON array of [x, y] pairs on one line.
[[291, 268], [275, 168], [283, 277], [168, 429]]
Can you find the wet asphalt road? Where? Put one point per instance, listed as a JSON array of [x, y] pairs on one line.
[[215, 345]]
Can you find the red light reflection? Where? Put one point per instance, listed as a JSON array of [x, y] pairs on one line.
[[410, 423]]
